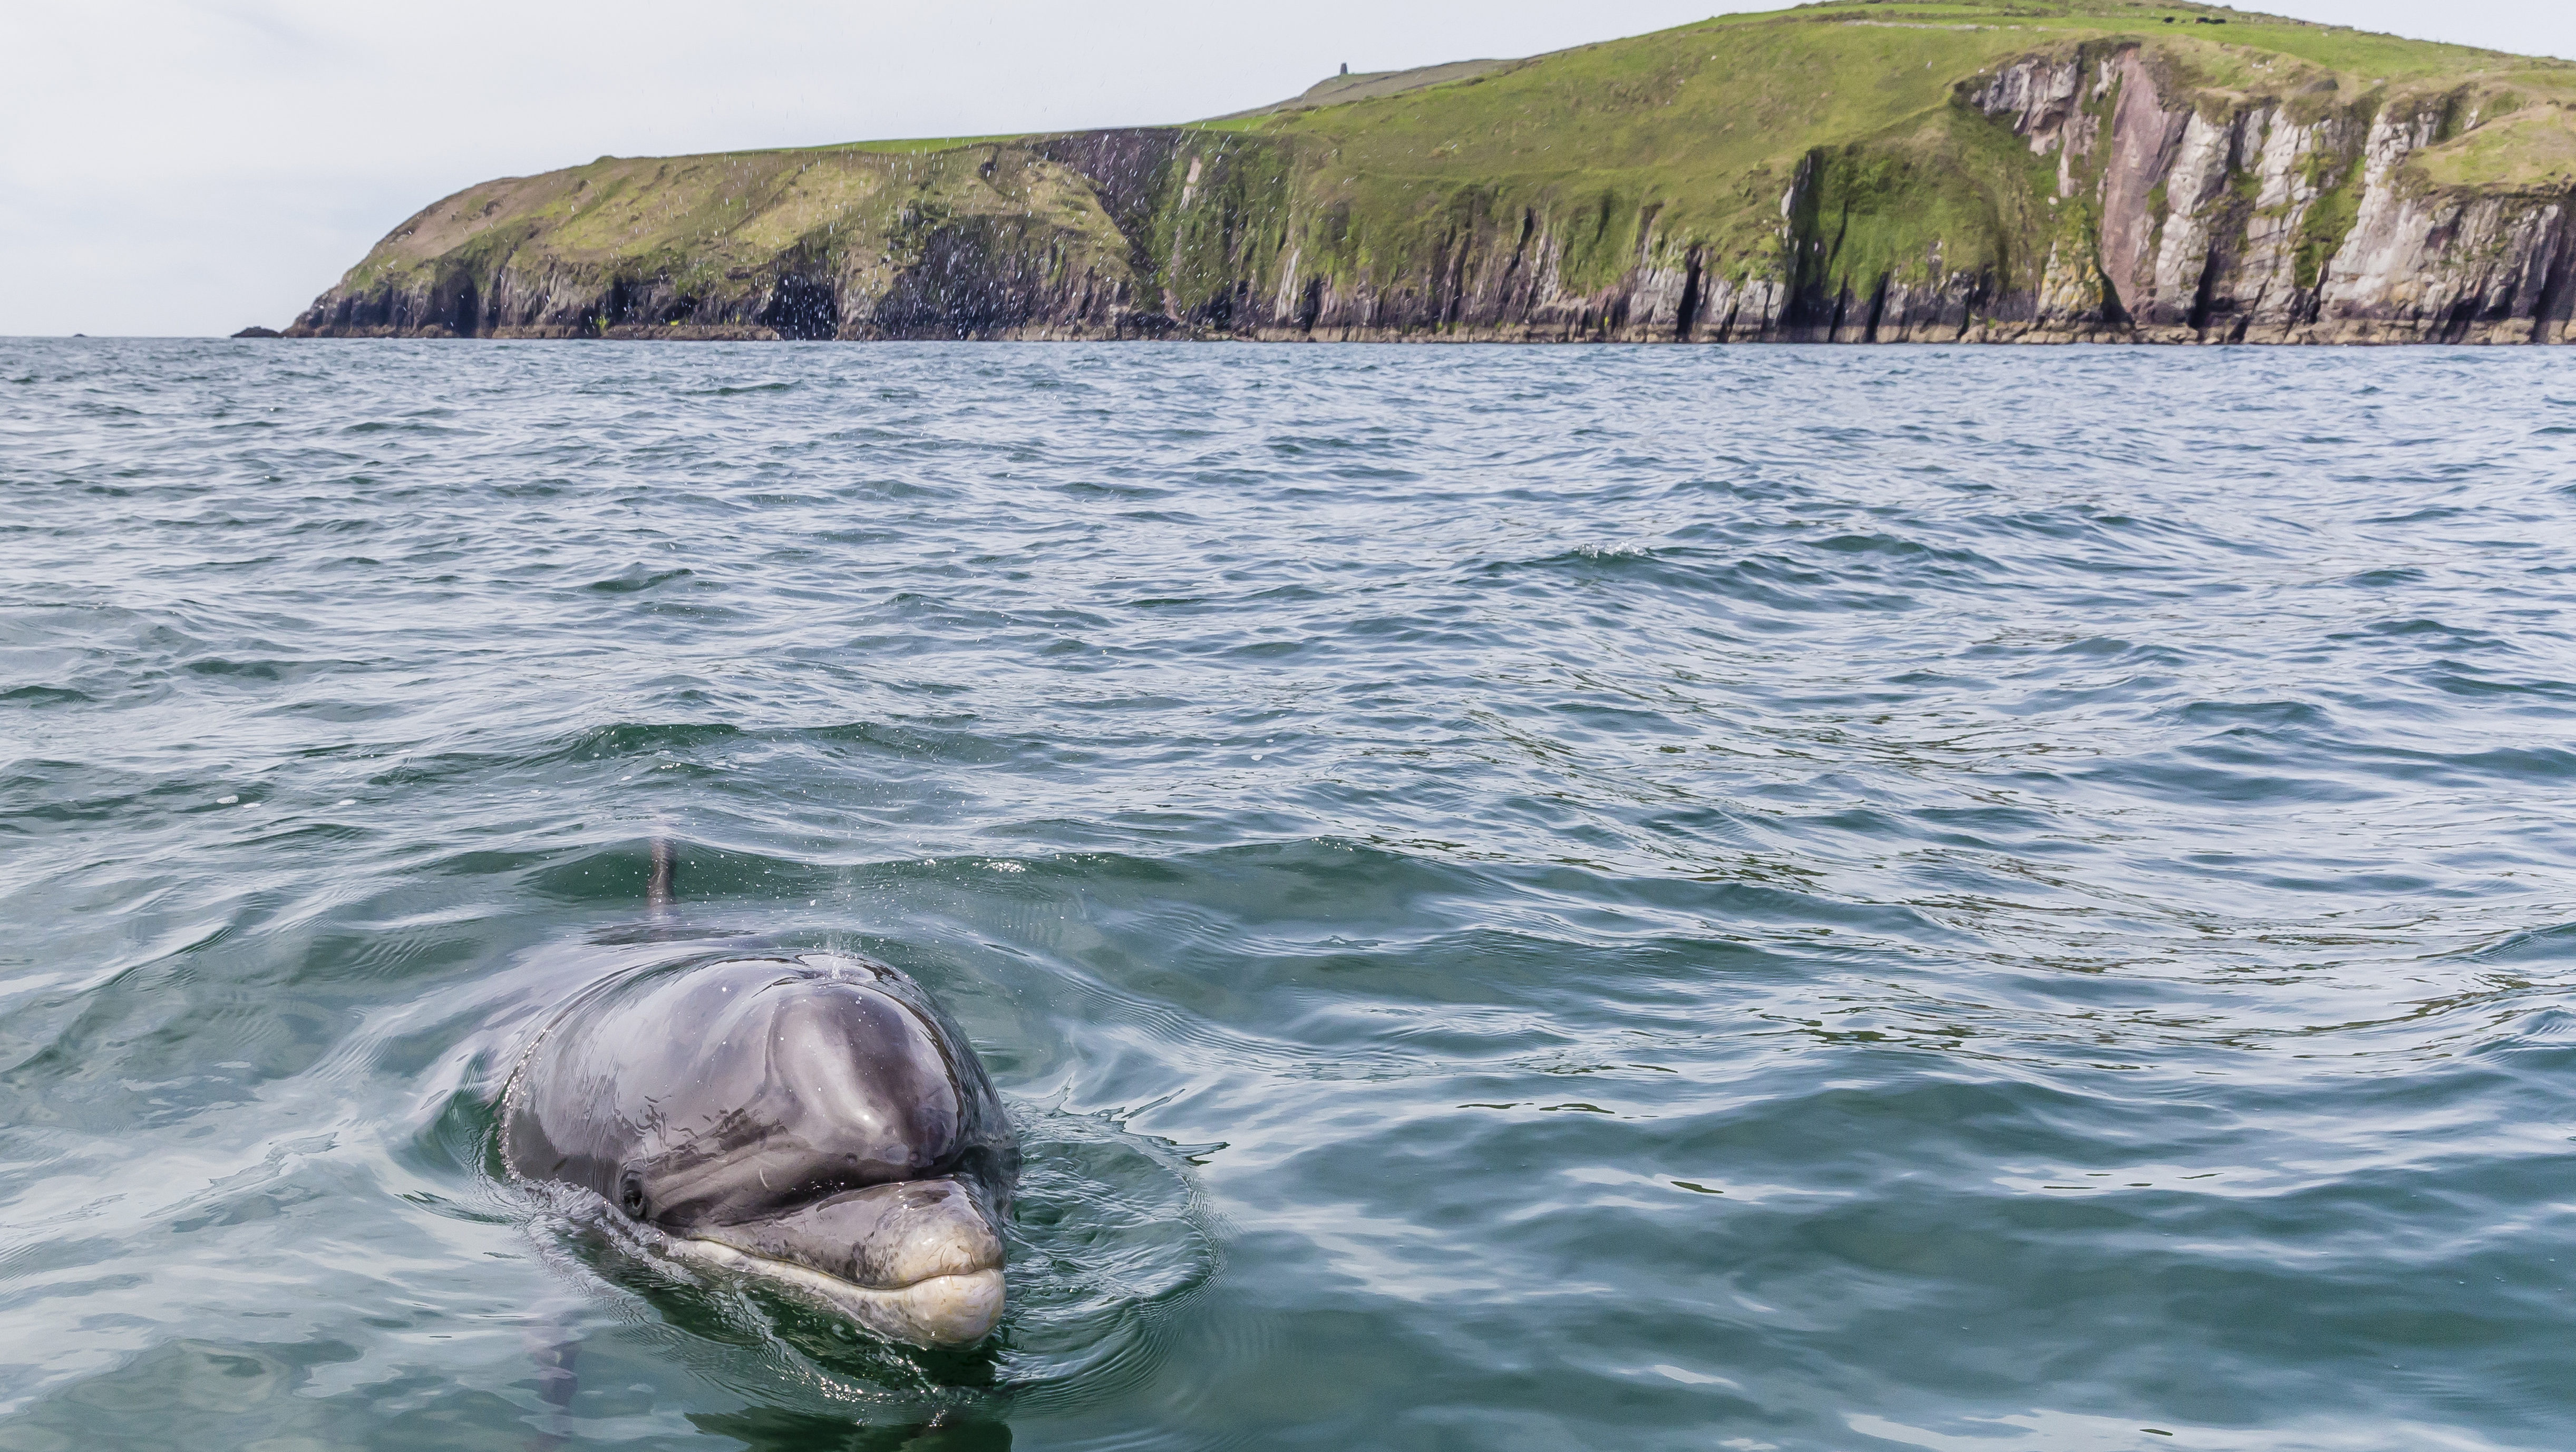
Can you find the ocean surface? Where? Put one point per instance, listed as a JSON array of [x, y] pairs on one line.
[[1521, 898]]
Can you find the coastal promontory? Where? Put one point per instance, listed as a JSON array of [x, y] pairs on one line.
[[1855, 171]]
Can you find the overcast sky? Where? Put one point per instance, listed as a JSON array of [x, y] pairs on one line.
[[188, 168]]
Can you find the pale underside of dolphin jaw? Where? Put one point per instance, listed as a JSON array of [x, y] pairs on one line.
[[942, 1310]]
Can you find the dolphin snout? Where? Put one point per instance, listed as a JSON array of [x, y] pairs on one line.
[[920, 1260]]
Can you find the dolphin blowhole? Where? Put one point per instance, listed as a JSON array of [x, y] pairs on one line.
[[809, 1119]]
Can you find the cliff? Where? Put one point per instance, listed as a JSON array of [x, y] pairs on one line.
[[1856, 171]]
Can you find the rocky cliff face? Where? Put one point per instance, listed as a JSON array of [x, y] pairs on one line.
[[2246, 223], [2164, 217], [2087, 191], [990, 241]]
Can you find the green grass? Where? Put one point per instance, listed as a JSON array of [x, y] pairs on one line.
[[2531, 149], [2330, 218], [921, 146]]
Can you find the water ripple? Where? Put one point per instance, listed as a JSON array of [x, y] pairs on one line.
[[1800, 899]]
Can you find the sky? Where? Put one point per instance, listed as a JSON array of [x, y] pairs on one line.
[[190, 168]]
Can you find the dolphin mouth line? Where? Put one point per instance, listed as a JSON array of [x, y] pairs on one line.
[[954, 1308]]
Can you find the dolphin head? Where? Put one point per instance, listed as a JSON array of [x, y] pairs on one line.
[[811, 1120]]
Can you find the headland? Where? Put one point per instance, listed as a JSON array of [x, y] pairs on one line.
[[1853, 171]]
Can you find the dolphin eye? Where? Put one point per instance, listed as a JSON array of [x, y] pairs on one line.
[[630, 1196]]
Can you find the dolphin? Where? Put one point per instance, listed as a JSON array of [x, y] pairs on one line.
[[808, 1118]]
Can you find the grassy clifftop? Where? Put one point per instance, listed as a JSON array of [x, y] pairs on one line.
[[1711, 121], [1800, 163], [712, 231]]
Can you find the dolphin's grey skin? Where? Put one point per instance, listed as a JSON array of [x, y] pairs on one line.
[[811, 1118]]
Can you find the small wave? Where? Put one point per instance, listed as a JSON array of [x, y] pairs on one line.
[[638, 577], [44, 696], [624, 739]]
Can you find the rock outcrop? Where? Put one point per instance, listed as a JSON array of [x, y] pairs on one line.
[[2254, 224]]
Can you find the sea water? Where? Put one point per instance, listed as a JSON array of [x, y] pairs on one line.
[[1773, 898]]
